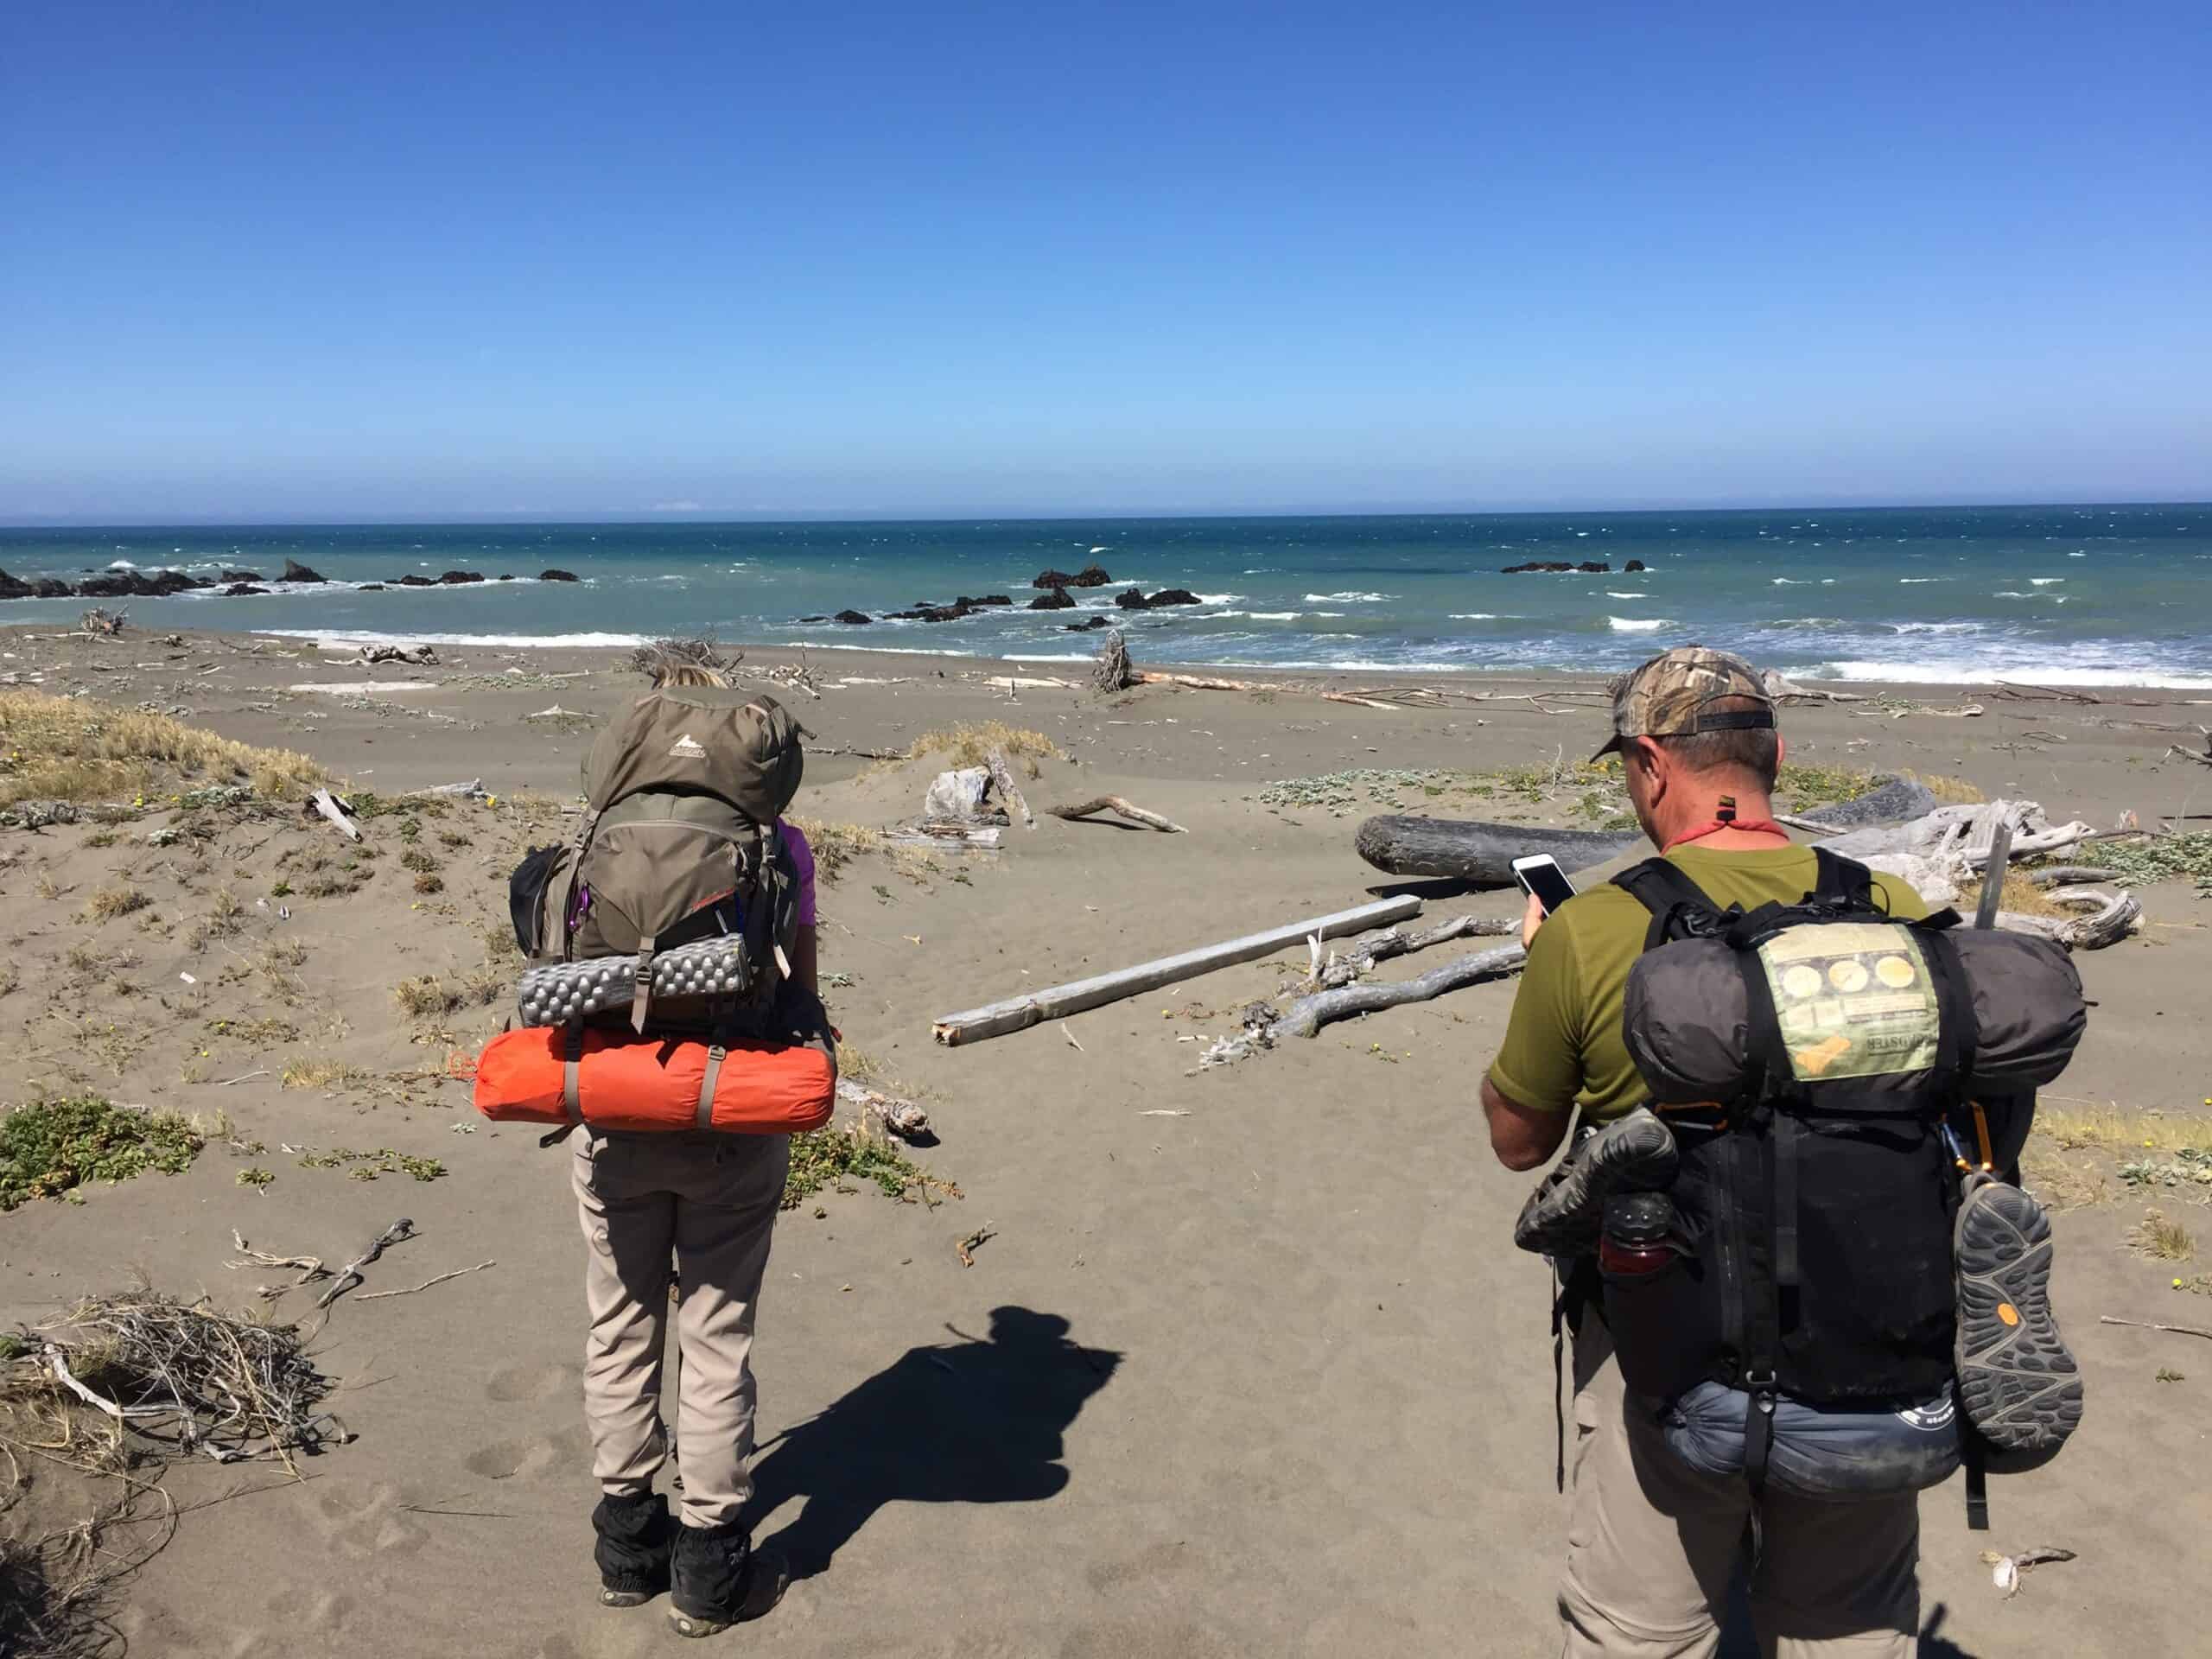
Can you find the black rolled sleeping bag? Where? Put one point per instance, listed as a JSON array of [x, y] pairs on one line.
[[1837, 1455]]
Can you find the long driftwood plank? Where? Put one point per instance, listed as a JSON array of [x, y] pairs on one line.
[[1305, 1017], [1018, 1013], [1467, 849]]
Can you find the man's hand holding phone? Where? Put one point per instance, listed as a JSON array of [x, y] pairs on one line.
[[1547, 888]]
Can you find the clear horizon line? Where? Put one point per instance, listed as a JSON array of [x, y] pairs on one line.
[[710, 516]]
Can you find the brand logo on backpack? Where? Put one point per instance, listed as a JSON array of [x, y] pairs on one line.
[[687, 747]]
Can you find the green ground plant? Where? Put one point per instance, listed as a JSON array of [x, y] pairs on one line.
[[49, 1147]]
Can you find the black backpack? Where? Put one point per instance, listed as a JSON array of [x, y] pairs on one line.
[[1824, 1069]]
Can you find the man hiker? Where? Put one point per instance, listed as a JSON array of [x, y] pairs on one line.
[[1651, 1542]]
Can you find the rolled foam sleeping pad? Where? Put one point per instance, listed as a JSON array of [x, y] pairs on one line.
[[1844, 991], [557, 991], [1819, 1452], [653, 1083]]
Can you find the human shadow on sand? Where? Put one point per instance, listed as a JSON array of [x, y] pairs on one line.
[[1738, 1642], [975, 1421]]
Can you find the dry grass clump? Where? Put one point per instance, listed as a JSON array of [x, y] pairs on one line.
[[1949, 791], [836, 845], [970, 746], [320, 1074], [2159, 1236], [2113, 1128], [72, 749], [117, 899], [2062, 1183], [2020, 895], [427, 996]]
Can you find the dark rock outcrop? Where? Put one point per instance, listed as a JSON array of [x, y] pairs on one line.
[[1056, 599], [294, 571], [1554, 566], [1087, 625], [50, 587], [558, 576], [14, 587], [135, 584], [1090, 575], [965, 603], [1594, 567], [242, 590], [370, 588], [855, 619], [1635, 567], [244, 576], [454, 578], [413, 581], [1135, 599]]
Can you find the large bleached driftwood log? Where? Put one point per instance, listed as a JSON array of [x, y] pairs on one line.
[[1305, 1017], [1018, 1013], [1966, 832], [1469, 849], [2113, 919]]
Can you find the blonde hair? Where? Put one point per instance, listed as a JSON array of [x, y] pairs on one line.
[[683, 674]]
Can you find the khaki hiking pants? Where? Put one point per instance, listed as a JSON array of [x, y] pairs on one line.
[[708, 1202], [1651, 1545]]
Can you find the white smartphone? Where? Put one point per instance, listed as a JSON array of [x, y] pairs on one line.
[[1541, 877]]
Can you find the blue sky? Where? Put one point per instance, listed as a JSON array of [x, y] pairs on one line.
[[262, 263]]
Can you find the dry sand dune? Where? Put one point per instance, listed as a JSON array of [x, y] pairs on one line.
[[1247, 1365]]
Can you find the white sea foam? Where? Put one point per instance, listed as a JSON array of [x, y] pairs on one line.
[[1266, 616], [2045, 581], [1218, 599], [1348, 598], [1911, 582], [1615, 593], [1474, 616], [121, 564], [1788, 582], [342, 637], [1959, 670], [1635, 625], [1934, 627]]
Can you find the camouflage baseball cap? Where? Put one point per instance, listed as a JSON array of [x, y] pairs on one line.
[[1667, 697]]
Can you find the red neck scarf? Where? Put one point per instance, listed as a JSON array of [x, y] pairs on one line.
[[1768, 825]]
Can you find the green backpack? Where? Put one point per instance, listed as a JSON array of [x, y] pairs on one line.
[[678, 844]]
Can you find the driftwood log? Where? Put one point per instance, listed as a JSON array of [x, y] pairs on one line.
[[1112, 672], [1305, 1017], [1017, 1014], [1116, 805], [1470, 850], [1892, 800], [2112, 920], [323, 802], [1361, 957], [1966, 832], [1010, 795]]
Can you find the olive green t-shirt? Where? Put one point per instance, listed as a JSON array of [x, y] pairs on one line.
[[1563, 1044]]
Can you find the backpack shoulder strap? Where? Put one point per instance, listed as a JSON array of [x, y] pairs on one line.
[[1841, 881], [1664, 889]]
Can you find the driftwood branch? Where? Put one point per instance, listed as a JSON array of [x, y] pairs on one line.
[[458, 1273], [2066, 875], [326, 803], [1305, 1017], [1010, 797], [2146, 1324], [1055, 1001], [1115, 803], [1365, 952], [350, 1275], [2113, 921]]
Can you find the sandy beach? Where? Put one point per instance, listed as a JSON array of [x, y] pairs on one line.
[[1247, 1364]]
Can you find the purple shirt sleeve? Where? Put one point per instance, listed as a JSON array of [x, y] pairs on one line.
[[802, 861]]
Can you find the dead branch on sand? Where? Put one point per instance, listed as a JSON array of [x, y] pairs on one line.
[[904, 1118], [458, 1273], [351, 1276], [2148, 1325], [1115, 803]]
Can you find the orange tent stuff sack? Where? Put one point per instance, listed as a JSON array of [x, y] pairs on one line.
[[621, 1081]]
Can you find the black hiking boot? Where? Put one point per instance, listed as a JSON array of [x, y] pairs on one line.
[[636, 1538], [2019, 1386], [720, 1580]]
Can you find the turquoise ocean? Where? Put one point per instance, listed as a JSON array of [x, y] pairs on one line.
[[2080, 595]]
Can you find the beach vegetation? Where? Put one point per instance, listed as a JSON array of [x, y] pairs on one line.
[[2109, 1127], [2019, 894], [2149, 859], [970, 745], [74, 749], [2162, 1238], [117, 899], [366, 1165], [833, 1156], [428, 996], [320, 1074], [48, 1147]]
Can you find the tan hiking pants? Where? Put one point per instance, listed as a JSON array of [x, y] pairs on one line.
[[1651, 1543], [710, 1202]]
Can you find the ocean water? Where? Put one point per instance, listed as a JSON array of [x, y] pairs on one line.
[[2078, 594]]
